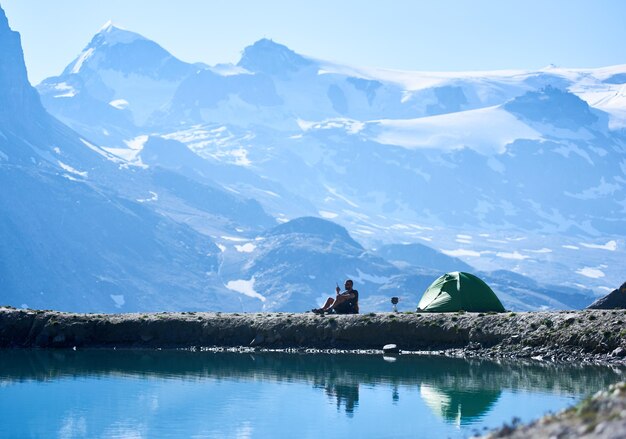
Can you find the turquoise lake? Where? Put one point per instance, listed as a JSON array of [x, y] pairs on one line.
[[183, 394]]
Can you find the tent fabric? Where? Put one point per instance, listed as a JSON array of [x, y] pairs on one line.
[[459, 291]]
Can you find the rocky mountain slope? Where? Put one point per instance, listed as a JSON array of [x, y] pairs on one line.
[[73, 235]]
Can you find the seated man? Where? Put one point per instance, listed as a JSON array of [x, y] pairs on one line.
[[344, 303]]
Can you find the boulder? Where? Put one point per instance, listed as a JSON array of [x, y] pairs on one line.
[[391, 349]]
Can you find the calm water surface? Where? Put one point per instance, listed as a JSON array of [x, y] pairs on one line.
[[180, 394]]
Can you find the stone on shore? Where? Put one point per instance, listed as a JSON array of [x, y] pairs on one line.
[[601, 416], [391, 349]]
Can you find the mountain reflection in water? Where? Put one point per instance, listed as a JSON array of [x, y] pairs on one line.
[[457, 391]]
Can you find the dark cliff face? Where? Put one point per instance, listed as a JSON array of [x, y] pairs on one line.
[[616, 299], [18, 97]]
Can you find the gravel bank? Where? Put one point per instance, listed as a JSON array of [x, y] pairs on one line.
[[601, 416], [589, 335]]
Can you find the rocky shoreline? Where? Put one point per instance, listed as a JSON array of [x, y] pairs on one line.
[[601, 416], [597, 336]]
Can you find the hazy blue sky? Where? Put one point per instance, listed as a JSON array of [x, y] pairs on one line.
[[413, 35]]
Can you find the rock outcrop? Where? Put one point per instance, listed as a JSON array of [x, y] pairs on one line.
[[16, 94], [616, 299]]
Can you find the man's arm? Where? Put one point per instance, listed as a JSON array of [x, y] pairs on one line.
[[347, 294]]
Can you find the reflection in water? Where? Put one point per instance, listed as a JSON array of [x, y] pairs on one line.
[[460, 406], [239, 390], [346, 395]]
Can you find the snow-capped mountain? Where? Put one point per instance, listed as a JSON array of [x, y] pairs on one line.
[[114, 85], [517, 174], [75, 237]]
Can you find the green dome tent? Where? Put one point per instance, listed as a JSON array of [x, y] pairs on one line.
[[458, 291]]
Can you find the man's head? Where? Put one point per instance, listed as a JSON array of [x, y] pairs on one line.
[[349, 284]]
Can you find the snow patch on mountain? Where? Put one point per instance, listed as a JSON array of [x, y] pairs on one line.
[[70, 169], [245, 287], [461, 252], [415, 80], [610, 246], [217, 143], [486, 130], [101, 151], [84, 56], [112, 34], [67, 91], [153, 197], [350, 126], [245, 248], [120, 104], [229, 70], [541, 250], [233, 238], [361, 277], [118, 300], [327, 215], [594, 273], [334, 192], [137, 143], [512, 255], [464, 239], [129, 156]]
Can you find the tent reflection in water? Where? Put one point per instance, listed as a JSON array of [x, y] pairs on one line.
[[459, 406], [459, 291]]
